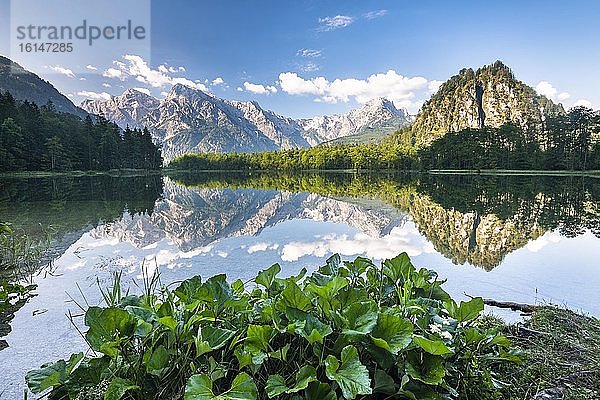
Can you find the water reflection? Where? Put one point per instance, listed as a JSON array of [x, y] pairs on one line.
[[468, 218], [533, 238]]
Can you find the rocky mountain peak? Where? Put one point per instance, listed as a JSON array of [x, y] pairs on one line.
[[490, 96]]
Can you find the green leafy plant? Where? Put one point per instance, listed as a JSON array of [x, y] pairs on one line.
[[348, 330]]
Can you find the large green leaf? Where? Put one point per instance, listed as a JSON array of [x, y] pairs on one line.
[[360, 318], [210, 338], [351, 375], [319, 391], [435, 347], [259, 337], [106, 326], [468, 310], [425, 367], [398, 267], [51, 375], [304, 377], [325, 293], [292, 296], [359, 265], [188, 288], [199, 387], [158, 360], [392, 333], [117, 388], [267, 277], [308, 326], [383, 383], [275, 386], [332, 265]]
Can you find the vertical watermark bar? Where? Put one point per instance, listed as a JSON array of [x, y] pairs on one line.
[[74, 37]]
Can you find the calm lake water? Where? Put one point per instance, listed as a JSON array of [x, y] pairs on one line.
[[514, 238]]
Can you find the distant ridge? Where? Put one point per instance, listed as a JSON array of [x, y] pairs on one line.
[[24, 85]]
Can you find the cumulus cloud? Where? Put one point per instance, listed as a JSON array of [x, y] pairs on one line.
[[259, 89], [583, 103], [309, 53], [64, 71], [94, 95], [91, 67], [218, 81], [239, 89], [113, 73], [136, 67], [331, 23], [434, 85], [545, 88], [391, 85], [106, 85], [375, 14]]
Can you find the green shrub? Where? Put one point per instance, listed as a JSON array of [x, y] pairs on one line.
[[351, 329]]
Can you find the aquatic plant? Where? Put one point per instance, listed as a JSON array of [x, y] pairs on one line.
[[348, 330]]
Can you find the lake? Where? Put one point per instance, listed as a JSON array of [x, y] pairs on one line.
[[531, 239]]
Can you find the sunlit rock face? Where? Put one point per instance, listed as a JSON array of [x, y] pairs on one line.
[[490, 96], [196, 217]]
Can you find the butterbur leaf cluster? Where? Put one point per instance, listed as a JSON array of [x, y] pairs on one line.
[[349, 330]]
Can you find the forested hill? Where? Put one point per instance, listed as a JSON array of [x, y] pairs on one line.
[[42, 139], [25, 85], [488, 97]]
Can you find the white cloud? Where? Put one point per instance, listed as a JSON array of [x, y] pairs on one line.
[[63, 71], [331, 23], [218, 81], [545, 88], [259, 89], [375, 14], [136, 67], [434, 85], [91, 67], [239, 89], [391, 85], [113, 73], [143, 90], [106, 85], [82, 79], [583, 103], [309, 53], [94, 95], [291, 83]]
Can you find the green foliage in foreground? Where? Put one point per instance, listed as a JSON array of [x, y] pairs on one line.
[[349, 330]]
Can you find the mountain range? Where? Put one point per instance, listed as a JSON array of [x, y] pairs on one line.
[[189, 120]]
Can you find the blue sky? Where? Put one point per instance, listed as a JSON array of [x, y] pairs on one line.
[[304, 58]]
